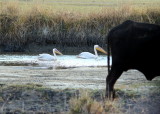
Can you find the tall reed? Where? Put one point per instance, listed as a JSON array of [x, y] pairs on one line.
[[42, 26]]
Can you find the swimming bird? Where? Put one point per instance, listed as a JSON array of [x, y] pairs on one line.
[[48, 57], [88, 55]]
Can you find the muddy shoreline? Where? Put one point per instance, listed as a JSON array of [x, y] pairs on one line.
[[133, 90], [81, 77]]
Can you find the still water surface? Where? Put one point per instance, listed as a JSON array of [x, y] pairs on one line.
[[62, 61]]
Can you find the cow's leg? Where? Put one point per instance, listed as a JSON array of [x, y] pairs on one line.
[[111, 80]]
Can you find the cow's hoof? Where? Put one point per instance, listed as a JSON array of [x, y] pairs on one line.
[[110, 95]]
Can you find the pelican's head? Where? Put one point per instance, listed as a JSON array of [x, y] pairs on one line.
[[97, 47], [56, 51]]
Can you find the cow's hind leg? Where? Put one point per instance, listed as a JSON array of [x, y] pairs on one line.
[[111, 80]]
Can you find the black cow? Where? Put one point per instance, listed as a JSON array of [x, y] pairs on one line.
[[133, 45]]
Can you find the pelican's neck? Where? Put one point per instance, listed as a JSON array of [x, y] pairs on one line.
[[54, 54], [95, 51]]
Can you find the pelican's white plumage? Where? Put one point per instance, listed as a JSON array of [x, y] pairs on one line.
[[88, 55], [48, 57]]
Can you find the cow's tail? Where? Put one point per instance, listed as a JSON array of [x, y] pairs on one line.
[[108, 50]]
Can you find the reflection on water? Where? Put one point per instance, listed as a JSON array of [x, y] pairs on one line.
[[65, 61]]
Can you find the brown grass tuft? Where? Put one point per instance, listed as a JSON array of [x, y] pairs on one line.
[[86, 104]]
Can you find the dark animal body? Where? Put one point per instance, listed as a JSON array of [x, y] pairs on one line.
[[133, 45]]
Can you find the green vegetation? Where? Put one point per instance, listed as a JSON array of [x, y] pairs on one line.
[[26, 24]]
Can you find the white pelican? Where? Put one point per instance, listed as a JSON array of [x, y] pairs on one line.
[[87, 55], [48, 57]]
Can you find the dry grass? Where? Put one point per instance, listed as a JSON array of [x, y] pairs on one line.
[[86, 104], [35, 98], [126, 102], [24, 24]]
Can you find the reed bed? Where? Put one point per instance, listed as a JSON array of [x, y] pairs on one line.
[[22, 26]]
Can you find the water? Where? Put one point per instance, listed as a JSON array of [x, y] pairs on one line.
[[17, 57], [64, 61]]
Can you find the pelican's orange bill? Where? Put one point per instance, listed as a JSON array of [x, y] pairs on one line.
[[101, 50], [58, 52]]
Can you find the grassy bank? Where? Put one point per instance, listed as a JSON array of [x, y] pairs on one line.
[[27, 26], [34, 98]]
